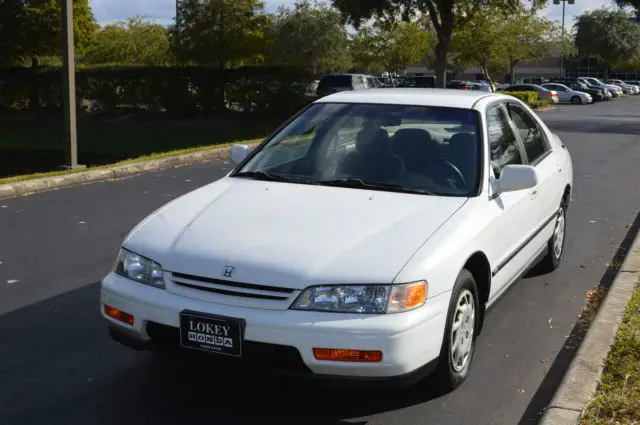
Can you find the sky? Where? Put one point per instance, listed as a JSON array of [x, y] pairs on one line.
[[163, 11]]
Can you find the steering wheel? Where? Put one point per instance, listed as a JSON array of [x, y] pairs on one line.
[[452, 173]]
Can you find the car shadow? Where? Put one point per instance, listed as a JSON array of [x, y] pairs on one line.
[[58, 364]]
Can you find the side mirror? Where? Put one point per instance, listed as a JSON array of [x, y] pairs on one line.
[[238, 153], [517, 177]]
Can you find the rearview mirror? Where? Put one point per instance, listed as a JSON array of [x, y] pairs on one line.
[[517, 177], [238, 153]]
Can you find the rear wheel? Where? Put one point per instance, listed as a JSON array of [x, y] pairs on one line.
[[555, 246], [459, 340], [576, 100]]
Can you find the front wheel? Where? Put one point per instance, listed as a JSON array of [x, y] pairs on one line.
[[576, 100], [460, 333]]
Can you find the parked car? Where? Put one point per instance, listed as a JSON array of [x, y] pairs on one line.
[[543, 93], [568, 95], [532, 80], [578, 84], [626, 88], [634, 83], [596, 93], [335, 83], [467, 85], [420, 81], [383, 234], [615, 90]]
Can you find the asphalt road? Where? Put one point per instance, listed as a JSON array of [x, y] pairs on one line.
[[57, 365]]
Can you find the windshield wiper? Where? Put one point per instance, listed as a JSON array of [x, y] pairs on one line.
[[263, 175], [365, 184]]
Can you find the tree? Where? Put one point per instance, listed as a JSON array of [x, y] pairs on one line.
[[483, 40], [311, 35], [38, 28], [220, 33], [134, 42], [608, 35], [634, 4], [11, 29], [365, 50], [445, 15], [528, 37], [390, 47]]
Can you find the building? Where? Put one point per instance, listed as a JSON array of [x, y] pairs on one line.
[[547, 67]]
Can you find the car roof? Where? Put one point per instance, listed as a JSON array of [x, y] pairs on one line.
[[411, 96]]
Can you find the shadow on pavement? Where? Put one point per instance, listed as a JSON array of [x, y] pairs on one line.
[[57, 365], [552, 380]]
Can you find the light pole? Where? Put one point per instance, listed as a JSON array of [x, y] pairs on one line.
[[562, 36], [69, 82]]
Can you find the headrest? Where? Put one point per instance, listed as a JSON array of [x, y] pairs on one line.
[[373, 140]]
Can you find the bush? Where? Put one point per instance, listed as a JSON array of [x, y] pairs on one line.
[[540, 103], [527, 97], [180, 91]]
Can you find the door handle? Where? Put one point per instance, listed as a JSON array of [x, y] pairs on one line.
[[533, 193]]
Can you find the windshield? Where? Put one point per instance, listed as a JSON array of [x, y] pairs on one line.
[[413, 149], [595, 81]]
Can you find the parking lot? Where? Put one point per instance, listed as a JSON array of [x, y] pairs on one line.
[[57, 364]]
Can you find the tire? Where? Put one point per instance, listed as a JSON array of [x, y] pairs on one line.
[[576, 100], [555, 246], [450, 374]]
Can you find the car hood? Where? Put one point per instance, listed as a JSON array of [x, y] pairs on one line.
[[291, 235]]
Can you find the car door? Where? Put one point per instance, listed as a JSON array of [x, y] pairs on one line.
[[514, 213], [538, 153], [563, 94]]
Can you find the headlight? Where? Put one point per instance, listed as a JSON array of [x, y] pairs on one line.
[[139, 268], [367, 299]]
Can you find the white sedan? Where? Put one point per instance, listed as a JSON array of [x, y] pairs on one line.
[[568, 95], [365, 238]]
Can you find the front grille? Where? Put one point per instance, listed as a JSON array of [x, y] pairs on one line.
[[235, 289]]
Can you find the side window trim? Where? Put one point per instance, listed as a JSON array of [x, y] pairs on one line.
[[545, 141], [516, 133], [501, 105]]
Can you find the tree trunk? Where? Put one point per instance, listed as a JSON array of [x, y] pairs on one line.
[[485, 73], [444, 28], [512, 71], [442, 50]]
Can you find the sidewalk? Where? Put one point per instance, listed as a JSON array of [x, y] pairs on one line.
[[585, 373]]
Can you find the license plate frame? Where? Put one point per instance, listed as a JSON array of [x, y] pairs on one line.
[[212, 333]]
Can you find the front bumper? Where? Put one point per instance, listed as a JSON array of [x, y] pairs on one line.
[[410, 342]]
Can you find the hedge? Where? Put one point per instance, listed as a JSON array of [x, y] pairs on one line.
[[183, 91], [528, 97]]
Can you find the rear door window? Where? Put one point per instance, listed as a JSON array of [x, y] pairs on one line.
[[533, 139]]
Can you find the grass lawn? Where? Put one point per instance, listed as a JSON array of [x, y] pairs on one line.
[[617, 400]]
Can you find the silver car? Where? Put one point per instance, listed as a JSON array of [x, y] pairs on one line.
[[626, 88], [568, 95], [615, 90]]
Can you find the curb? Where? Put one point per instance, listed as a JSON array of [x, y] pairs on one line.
[[581, 380], [27, 187]]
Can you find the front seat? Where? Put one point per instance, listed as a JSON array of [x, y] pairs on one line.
[[416, 147], [463, 148], [373, 159]]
